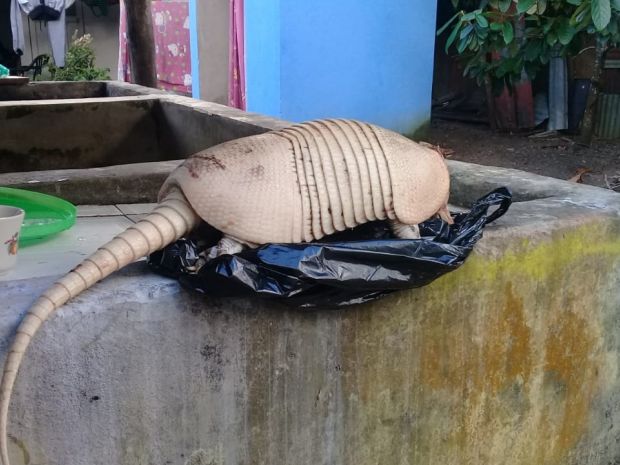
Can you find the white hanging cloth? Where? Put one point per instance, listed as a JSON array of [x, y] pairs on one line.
[[17, 28], [53, 12]]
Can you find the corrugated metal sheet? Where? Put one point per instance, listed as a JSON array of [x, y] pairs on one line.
[[612, 64], [611, 81], [608, 116], [558, 94]]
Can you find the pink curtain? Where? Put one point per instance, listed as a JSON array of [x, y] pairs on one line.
[[172, 52], [124, 73], [236, 70]]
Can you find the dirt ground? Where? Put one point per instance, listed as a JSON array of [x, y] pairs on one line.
[[558, 156]]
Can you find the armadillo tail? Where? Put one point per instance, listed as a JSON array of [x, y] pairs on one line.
[[170, 220]]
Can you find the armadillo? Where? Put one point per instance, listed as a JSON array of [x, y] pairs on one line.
[[293, 185]]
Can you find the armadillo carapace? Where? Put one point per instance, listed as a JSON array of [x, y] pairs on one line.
[[311, 180]]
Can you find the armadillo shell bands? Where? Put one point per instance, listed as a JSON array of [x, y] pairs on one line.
[[311, 180], [353, 267]]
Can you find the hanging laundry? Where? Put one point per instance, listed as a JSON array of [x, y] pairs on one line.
[[52, 12], [11, 48], [45, 12], [17, 28], [172, 52], [6, 38]]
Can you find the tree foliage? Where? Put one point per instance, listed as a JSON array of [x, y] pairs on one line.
[[79, 63], [526, 33]]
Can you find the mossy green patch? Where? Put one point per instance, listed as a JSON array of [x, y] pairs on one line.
[[530, 258], [419, 130], [503, 355]]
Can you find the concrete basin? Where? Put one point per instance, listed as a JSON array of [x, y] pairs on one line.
[[512, 359]]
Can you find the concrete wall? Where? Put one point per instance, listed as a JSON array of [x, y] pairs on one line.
[[512, 359], [356, 59], [48, 90], [56, 134], [211, 27], [179, 126], [109, 123], [55, 90]]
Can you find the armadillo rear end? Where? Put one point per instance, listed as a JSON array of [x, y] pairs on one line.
[[311, 180]]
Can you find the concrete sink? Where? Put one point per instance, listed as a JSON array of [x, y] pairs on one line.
[[512, 359]]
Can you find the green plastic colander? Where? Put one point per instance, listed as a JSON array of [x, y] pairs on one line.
[[45, 214]]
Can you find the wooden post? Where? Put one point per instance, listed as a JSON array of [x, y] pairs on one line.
[[589, 118], [141, 42], [488, 86]]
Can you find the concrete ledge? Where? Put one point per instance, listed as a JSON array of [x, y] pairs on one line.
[[57, 134], [95, 225], [135, 183], [68, 90], [140, 182], [53, 90], [124, 89]]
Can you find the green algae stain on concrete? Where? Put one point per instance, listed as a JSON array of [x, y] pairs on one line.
[[565, 249], [513, 374]]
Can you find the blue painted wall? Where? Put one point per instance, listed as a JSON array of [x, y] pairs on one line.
[[193, 45], [359, 59], [262, 64]]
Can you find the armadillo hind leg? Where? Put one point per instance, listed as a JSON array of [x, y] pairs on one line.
[[226, 246], [404, 231], [445, 215]]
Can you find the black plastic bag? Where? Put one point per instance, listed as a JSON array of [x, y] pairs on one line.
[[348, 268]]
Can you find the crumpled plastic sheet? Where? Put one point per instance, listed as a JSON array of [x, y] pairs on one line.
[[346, 268]]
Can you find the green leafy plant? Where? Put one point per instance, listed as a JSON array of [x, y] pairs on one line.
[[526, 33], [79, 63], [501, 41]]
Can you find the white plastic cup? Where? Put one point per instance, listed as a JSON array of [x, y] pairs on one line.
[[11, 219]]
